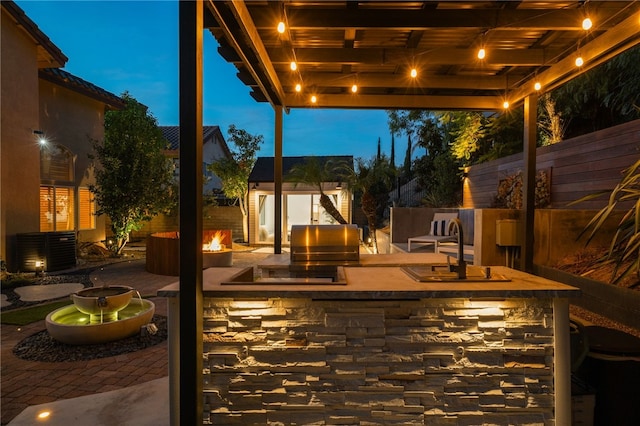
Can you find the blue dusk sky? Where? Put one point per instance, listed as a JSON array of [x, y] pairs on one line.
[[133, 46]]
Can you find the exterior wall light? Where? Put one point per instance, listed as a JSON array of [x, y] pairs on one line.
[[42, 140]]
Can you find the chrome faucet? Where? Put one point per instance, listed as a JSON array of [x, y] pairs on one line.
[[461, 268]]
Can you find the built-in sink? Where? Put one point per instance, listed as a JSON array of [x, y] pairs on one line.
[[437, 272]]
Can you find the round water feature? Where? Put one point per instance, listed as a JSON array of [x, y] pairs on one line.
[[100, 315], [69, 325], [102, 304]]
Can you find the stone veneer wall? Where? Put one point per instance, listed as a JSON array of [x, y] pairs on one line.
[[431, 361]]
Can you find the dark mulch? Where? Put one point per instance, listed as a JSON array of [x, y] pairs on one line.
[[42, 347], [586, 263]]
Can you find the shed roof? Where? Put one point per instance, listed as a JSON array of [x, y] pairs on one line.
[[263, 168]]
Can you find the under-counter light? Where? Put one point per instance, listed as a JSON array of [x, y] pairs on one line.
[[482, 53], [537, 86], [293, 65], [579, 61], [587, 24], [281, 27], [414, 73], [298, 87]]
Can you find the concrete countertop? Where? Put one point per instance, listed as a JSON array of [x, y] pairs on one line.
[[373, 282], [282, 261]]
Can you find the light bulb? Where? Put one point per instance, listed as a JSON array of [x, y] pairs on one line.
[[314, 99], [482, 53], [579, 61], [505, 104], [293, 65], [281, 27], [298, 87], [414, 73], [537, 86], [354, 88], [587, 24]]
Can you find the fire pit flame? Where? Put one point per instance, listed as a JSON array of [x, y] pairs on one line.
[[215, 243]]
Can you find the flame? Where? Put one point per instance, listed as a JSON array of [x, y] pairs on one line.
[[215, 243]]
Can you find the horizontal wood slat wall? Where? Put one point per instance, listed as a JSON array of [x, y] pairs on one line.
[[578, 166]]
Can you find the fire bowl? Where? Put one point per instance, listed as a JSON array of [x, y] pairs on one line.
[[211, 259], [70, 326]]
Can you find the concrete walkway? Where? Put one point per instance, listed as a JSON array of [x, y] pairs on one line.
[[74, 392]]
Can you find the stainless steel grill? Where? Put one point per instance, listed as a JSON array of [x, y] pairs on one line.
[[318, 250]]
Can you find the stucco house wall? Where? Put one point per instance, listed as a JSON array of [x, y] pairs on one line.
[[19, 150], [37, 96], [74, 120]]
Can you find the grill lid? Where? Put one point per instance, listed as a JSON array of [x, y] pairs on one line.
[[324, 244]]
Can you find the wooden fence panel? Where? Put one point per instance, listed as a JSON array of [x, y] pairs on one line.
[[578, 166]]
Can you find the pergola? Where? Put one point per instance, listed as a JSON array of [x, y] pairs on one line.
[[362, 54]]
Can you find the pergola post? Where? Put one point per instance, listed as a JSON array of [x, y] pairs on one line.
[[529, 179], [191, 31], [277, 181]]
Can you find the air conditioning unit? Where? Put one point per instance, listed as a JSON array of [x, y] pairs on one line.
[[46, 251]]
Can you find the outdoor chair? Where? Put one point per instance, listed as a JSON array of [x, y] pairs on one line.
[[438, 232]]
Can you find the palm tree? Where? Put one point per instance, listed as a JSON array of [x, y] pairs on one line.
[[313, 173], [370, 178]]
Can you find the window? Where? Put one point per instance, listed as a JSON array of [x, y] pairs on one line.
[[57, 189], [86, 209], [56, 163], [57, 207]]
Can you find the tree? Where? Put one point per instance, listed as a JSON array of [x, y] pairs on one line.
[[372, 179], [392, 160], [437, 171], [602, 97], [315, 174], [234, 172], [134, 182], [407, 175]]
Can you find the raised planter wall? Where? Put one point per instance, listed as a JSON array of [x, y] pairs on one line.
[[619, 304]]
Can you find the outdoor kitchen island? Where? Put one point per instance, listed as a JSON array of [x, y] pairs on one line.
[[377, 346]]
